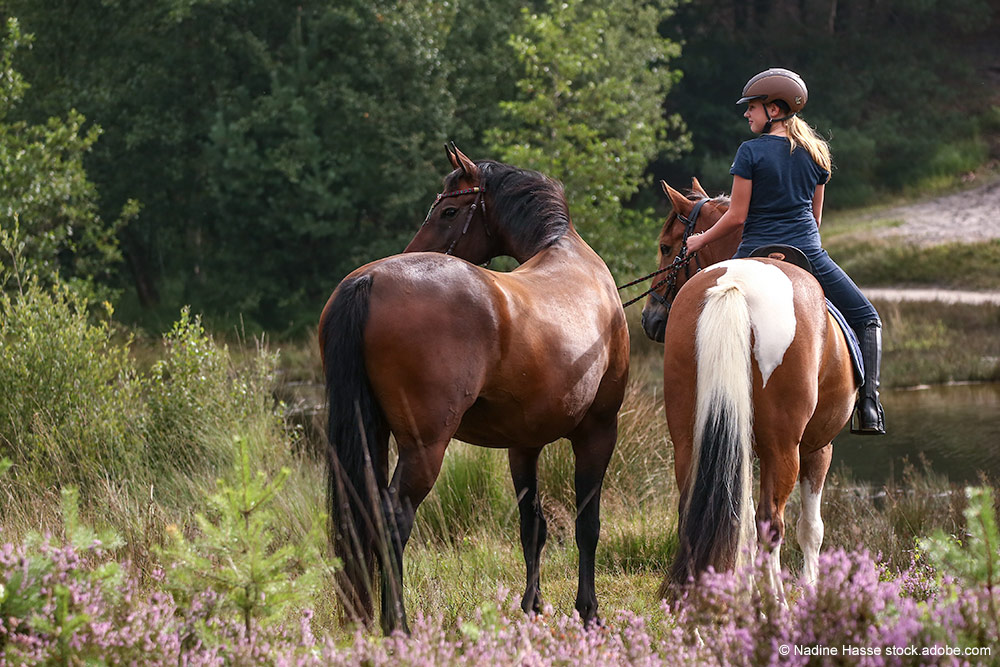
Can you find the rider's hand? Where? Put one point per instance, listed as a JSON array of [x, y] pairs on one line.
[[695, 243]]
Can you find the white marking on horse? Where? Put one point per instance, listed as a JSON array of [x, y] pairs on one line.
[[768, 292], [809, 530]]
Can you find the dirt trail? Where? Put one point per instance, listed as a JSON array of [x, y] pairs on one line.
[[932, 294], [970, 216]]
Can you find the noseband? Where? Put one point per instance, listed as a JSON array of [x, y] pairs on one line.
[[480, 201], [682, 260]]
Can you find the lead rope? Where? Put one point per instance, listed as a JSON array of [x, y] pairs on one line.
[[682, 260]]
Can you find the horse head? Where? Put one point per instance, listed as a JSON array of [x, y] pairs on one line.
[[488, 209], [693, 213], [457, 222]]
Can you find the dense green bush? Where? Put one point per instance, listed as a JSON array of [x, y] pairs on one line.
[[70, 408], [76, 410]]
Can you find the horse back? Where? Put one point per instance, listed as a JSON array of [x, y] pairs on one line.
[[497, 359], [799, 359]]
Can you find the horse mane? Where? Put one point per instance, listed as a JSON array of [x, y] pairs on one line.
[[529, 205]]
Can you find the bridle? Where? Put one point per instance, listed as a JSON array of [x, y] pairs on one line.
[[682, 260], [479, 201]]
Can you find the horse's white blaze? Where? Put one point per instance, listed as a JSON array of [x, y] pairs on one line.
[[810, 530], [768, 292]]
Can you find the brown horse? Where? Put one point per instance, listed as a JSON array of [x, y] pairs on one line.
[[428, 347], [753, 363]]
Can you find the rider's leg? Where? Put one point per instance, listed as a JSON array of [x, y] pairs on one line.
[[871, 418], [864, 319]]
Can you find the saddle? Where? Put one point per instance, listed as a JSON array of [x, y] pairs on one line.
[[785, 253], [793, 255]]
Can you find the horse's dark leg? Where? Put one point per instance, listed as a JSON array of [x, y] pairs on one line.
[[524, 473], [593, 444], [416, 470]]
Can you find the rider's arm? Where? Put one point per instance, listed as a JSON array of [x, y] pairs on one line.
[[731, 220], [818, 203]]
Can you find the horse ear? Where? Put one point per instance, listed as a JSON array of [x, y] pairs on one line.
[[462, 162], [451, 156], [696, 186], [680, 203]]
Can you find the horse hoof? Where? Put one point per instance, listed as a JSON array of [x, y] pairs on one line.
[[531, 603]]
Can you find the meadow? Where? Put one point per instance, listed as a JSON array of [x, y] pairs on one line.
[[162, 501]]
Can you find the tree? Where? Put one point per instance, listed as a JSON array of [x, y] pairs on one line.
[[894, 85], [273, 147], [45, 193], [332, 164], [589, 110]]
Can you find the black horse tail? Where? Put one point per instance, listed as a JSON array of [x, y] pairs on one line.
[[357, 434], [717, 524]]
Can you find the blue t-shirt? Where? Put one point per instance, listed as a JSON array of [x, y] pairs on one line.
[[784, 183]]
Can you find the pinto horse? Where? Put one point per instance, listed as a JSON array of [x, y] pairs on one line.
[[753, 363], [428, 346]]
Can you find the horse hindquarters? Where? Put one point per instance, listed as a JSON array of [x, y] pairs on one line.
[[716, 518], [357, 449]]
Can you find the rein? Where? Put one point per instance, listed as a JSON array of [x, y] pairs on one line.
[[682, 260], [480, 201]]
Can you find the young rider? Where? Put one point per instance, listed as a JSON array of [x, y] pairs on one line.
[[779, 180]]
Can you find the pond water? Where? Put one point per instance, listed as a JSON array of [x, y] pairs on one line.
[[956, 428]]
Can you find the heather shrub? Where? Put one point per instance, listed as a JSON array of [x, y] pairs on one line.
[[69, 601], [45, 592], [73, 611]]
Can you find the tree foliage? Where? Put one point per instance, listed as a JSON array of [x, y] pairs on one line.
[[275, 147], [589, 110], [896, 86], [45, 194]]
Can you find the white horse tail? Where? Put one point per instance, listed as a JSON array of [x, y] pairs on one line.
[[717, 524]]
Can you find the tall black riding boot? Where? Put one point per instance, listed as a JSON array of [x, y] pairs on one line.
[[869, 417]]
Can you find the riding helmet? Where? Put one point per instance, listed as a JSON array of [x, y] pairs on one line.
[[777, 83]]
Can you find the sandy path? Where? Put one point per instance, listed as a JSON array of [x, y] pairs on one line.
[[971, 216], [932, 294]]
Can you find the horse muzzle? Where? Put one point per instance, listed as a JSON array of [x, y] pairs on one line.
[[654, 321]]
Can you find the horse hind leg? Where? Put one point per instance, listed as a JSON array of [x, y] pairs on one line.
[[778, 472], [524, 473], [416, 471], [593, 445], [809, 528]]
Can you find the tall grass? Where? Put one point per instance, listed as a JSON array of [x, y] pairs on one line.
[[932, 343], [872, 261]]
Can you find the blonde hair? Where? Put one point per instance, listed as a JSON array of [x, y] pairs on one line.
[[801, 133]]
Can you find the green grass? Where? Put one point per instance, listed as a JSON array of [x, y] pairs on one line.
[[934, 343], [878, 262]]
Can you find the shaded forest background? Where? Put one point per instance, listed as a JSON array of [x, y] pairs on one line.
[[242, 156]]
